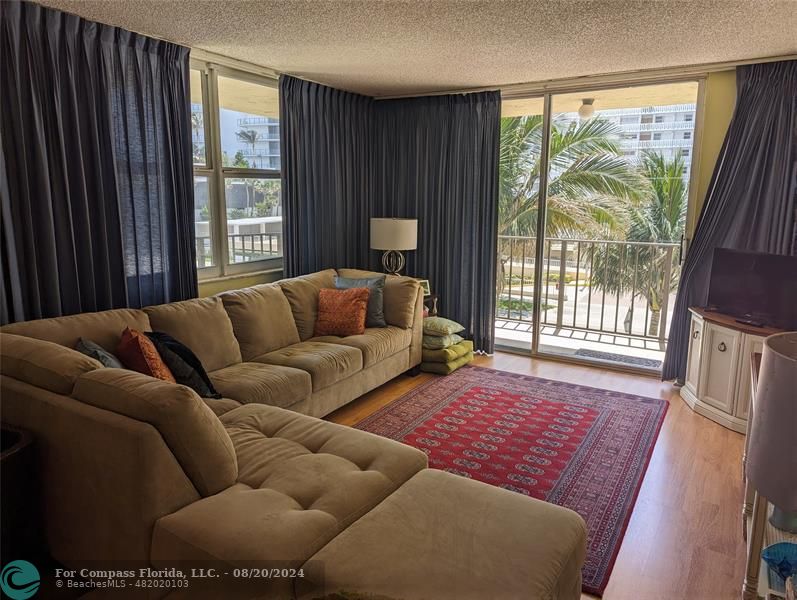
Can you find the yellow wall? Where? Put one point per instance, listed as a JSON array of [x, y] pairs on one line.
[[718, 103], [215, 286]]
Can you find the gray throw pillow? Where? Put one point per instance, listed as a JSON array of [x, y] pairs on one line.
[[375, 316], [99, 353]]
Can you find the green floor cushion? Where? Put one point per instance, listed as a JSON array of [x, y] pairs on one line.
[[445, 355], [448, 367]]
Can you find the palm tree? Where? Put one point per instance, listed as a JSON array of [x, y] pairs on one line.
[[589, 186], [660, 217], [197, 124], [249, 136]]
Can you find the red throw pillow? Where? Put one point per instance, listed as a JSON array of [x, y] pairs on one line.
[[138, 353], [342, 312]]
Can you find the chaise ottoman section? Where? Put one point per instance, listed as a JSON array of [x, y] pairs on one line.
[[301, 481], [443, 536]]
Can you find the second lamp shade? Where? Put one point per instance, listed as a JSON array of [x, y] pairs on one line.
[[394, 234]]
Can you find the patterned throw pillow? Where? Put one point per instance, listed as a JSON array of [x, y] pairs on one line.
[[183, 363], [138, 353], [341, 312], [440, 326], [438, 342], [376, 299], [99, 353]]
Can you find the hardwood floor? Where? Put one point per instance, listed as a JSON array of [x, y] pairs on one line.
[[684, 540]]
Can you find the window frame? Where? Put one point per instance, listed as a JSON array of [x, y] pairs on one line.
[[217, 174]]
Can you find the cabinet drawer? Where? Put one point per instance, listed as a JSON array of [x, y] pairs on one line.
[[720, 363]]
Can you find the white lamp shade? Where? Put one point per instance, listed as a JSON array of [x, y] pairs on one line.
[[772, 448], [394, 234]]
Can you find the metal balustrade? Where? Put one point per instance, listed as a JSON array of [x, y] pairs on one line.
[[614, 287], [241, 247]]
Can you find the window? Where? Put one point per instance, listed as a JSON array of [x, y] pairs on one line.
[[644, 136], [659, 118], [237, 189], [685, 152], [689, 117], [687, 135], [657, 136]]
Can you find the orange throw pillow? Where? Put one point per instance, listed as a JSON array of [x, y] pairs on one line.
[[138, 353], [341, 312]]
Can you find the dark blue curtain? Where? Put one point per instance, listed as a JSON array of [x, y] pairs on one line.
[[752, 199], [437, 161], [325, 138], [95, 166]]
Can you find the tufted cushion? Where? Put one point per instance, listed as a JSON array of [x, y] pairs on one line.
[[261, 318], [43, 364], [326, 363], [190, 429], [302, 294], [301, 482], [376, 344], [399, 298], [105, 328], [261, 383], [202, 325]]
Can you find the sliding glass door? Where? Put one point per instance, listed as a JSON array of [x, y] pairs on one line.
[[606, 180]]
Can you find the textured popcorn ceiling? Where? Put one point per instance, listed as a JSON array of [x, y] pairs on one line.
[[388, 47]]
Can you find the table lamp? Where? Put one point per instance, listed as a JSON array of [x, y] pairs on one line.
[[393, 236], [772, 448]]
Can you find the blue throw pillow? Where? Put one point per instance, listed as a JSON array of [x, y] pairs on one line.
[[375, 315], [99, 353]]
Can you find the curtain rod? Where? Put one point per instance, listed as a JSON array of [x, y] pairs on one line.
[[570, 84]]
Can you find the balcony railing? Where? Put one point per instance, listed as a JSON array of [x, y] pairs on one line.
[[242, 247], [613, 287]]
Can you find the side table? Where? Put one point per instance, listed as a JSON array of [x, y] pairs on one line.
[[430, 302]]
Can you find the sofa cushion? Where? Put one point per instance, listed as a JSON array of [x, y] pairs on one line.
[[399, 298], [219, 406], [138, 353], [202, 325], [342, 312], [251, 382], [326, 363], [444, 536], [302, 294], [376, 297], [105, 328], [43, 364], [190, 429], [301, 482], [261, 318], [376, 343]]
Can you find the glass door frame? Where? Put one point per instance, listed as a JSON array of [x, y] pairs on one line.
[[539, 256]]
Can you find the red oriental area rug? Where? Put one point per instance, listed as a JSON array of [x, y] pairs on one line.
[[572, 445]]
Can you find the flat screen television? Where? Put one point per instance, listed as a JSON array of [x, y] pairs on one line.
[[754, 287]]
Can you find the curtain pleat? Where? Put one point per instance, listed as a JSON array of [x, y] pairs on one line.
[[752, 200], [97, 194]]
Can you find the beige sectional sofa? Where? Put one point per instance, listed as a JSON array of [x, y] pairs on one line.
[[137, 469]]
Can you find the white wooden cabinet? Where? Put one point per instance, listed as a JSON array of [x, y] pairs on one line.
[[717, 381]]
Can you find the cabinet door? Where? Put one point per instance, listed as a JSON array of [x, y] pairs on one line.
[[750, 344], [693, 361], [719, 367]]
